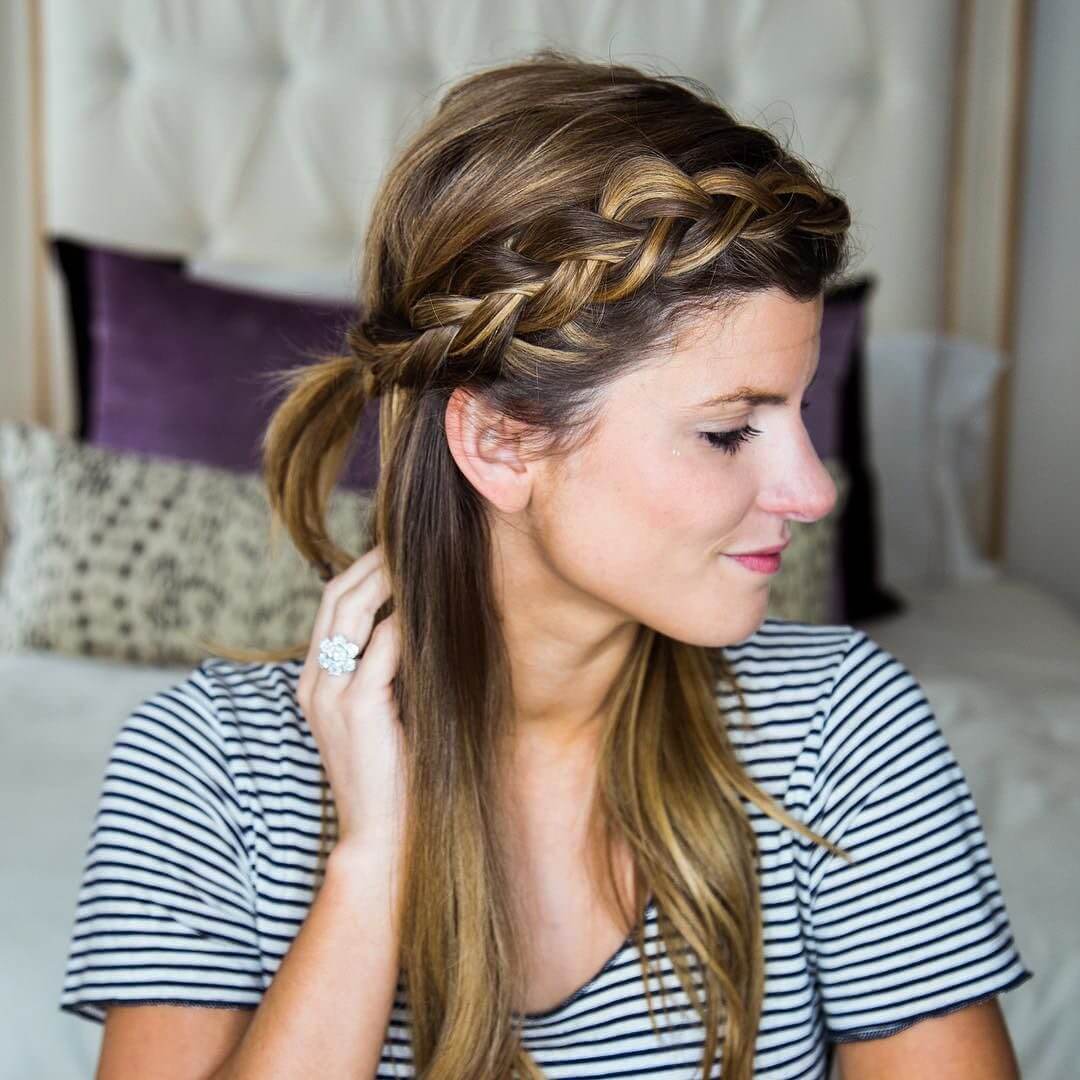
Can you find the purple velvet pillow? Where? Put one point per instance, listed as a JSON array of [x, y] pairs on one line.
[[840, 322], [836, 424], [177, 364], [839, 326]]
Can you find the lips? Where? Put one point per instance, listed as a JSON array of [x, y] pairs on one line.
[[774, 550], [763, 564]]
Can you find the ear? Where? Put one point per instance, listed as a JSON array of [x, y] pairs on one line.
[[482, 445]]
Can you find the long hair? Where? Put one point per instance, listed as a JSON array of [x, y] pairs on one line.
[[551, 225]]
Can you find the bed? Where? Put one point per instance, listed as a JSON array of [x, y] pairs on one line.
[[229, 137]]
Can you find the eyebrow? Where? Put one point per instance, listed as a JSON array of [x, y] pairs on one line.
[[750, 395], [747, 394]]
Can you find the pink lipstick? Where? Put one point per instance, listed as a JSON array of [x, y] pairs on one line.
[[764, 560], [764, 564]]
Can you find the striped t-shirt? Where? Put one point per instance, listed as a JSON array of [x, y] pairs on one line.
[[200, 865]]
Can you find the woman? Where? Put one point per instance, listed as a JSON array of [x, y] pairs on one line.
[[595, 814]]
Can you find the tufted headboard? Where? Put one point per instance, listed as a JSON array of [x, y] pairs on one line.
[[250, 136]]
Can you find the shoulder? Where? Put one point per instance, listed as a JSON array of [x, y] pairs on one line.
[[838, 724], [783, 653], [801, 696], [218, 707], [236, 686], [824, 667], [780, 680]]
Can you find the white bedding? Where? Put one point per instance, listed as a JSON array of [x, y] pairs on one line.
[[58, 715], [999, 663]]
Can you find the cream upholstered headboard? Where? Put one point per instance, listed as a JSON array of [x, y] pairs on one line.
[[254, 134]]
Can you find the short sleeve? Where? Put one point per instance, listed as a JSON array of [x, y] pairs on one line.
[[916, 926], [165, 910]]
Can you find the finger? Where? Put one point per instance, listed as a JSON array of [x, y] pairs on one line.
[[353, 616], [353, 574], [324, 624], [381, 657], [326, 574], [324, 615]]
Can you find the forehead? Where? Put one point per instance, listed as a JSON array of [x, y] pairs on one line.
[[764, 346], [765, 327]]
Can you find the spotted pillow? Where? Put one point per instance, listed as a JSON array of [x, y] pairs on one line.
[[802, 588], [149, 560]]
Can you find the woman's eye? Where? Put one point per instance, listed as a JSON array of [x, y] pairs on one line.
[[730, 440]]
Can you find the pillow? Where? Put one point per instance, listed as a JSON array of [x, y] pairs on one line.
[[801, 589], [173, 367], [836, 423], [143, 559], [941, 388], [825, 398]]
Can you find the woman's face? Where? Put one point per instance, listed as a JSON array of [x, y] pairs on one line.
[[644, 518]]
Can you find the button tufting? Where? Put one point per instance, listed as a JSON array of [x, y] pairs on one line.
[[117, 62], [277, 68]]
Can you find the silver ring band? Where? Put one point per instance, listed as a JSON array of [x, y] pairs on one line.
[[337, 655]]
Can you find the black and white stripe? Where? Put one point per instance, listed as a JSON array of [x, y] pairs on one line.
[[200, 866]]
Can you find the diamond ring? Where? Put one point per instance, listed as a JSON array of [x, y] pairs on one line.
[[337, 654]]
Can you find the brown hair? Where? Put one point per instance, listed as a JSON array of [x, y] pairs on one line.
[[553, 224]]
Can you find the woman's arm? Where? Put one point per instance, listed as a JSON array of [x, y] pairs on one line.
[[327, 1009], [969, 1044], [324, 1014]]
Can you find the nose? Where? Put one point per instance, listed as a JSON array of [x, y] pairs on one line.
[[806, 493]]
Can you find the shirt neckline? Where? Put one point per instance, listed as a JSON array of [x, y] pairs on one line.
[[547, 1014]]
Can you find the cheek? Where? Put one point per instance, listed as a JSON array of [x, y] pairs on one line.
[[616, 507], [710, 492], [686, 497], [640, 508], [644, 537]]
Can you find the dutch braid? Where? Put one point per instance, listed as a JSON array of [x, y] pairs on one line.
[[652, 222]]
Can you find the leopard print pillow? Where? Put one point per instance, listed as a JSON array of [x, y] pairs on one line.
[[802, 588], [146, 559]]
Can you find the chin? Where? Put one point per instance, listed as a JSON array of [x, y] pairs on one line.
[[748, 620], [743, 629], [736, 627]]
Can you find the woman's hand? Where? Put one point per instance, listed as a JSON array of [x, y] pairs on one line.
[[354, 717]]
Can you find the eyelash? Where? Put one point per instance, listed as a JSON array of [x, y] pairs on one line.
[[729, 441]]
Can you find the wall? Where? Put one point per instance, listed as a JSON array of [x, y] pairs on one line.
[[1043, 489], [16, 263]]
